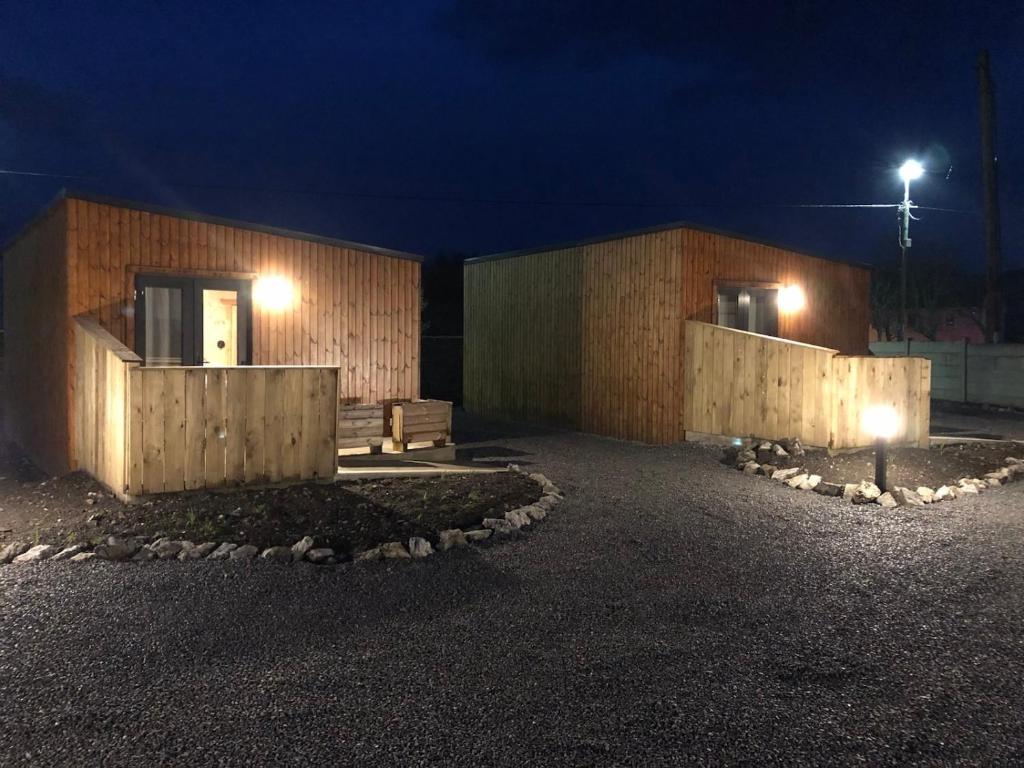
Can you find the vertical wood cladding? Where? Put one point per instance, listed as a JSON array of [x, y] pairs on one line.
[[591, 336], [354, 309], [37, 342]]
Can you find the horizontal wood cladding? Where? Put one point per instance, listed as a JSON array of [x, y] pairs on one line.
[[357, 310], [837, 313], [38, 342]]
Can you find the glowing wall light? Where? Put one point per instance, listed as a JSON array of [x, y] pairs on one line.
[[791, 299], [273, 293]]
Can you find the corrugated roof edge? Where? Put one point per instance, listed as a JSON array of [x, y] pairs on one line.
[[196, 216], [650, 230]]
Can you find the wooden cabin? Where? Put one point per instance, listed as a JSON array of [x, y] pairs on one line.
[[593, 335], [94, 285]]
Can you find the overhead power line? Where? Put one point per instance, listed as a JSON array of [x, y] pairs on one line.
[[477, 200]]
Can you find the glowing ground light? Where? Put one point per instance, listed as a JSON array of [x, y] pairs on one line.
[[273, 293], [791, 299], [881, 421]]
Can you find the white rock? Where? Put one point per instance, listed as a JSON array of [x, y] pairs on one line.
[[277, 554], [779, 451], [223, 551], [517, 518], [850, 490], [535, 512], [68, 552], [36, 554], [165, 549], [497, 525], [751, 467], [968, 488], [785, 474], [810, 483], [117, 548], [479, 535], [886, 500], [797, 480], [943, 492], [453, 537], [369, 555], [244, 552], [394, 550], [13, 550], [82, 557], [301, 547], [419, 547], [198, 552], [320, 555], [927, 494], [907, 497], [866, 493]]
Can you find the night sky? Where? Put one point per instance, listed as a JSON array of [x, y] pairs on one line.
[[482, 126]]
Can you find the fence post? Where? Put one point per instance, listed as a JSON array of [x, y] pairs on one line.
[[964, 356]]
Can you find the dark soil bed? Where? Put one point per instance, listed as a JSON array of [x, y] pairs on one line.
[[347, 516], [909, 467]]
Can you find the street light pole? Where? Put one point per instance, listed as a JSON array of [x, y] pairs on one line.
[[909, 171]]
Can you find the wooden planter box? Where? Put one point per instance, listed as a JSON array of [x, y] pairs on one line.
[[421, 421], [361, 426]]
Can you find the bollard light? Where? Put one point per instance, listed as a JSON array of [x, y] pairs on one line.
[[883, 423]]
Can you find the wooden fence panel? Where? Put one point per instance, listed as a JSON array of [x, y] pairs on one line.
[[745, 384], [215, 427], [740, 383], [102, 390]]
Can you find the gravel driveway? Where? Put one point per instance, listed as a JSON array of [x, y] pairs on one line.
[[671, 611]]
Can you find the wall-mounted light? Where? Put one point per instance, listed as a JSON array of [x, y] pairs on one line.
[[883, 422], [273, 293], [791, 299]]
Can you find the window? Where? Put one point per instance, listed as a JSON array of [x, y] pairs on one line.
[[750, 308]]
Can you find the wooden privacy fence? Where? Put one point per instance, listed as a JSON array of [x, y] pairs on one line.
[[100, 405], [967, 373], [740, 383], [142, 430]]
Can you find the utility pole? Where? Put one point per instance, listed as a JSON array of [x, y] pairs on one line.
[[909, 171], [990, 185]]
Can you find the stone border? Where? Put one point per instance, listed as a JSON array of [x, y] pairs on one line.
[[745, 459], [133, 549]]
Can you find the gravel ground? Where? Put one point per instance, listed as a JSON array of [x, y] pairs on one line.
[[671, 611]]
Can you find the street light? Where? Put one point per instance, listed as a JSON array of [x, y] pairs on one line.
[[883, 423], [909, 171]]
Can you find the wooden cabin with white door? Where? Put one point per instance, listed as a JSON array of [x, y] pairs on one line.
[[163, 349]]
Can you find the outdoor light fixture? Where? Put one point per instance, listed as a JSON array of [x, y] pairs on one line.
[[883, 422], [273, 292], [791, 299], [911, 170]]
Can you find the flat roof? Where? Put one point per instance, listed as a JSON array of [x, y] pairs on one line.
[[651, 230], [196, 216]]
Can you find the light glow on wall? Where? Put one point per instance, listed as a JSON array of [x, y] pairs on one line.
[[274, 293], [882, 421], [791, 299]]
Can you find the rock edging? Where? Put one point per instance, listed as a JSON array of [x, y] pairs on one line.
[[134, 549], [754, 458]]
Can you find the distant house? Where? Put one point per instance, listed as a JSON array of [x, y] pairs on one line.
[[946, 324]]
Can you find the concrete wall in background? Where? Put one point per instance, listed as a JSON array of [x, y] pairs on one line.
[[967, 373]]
